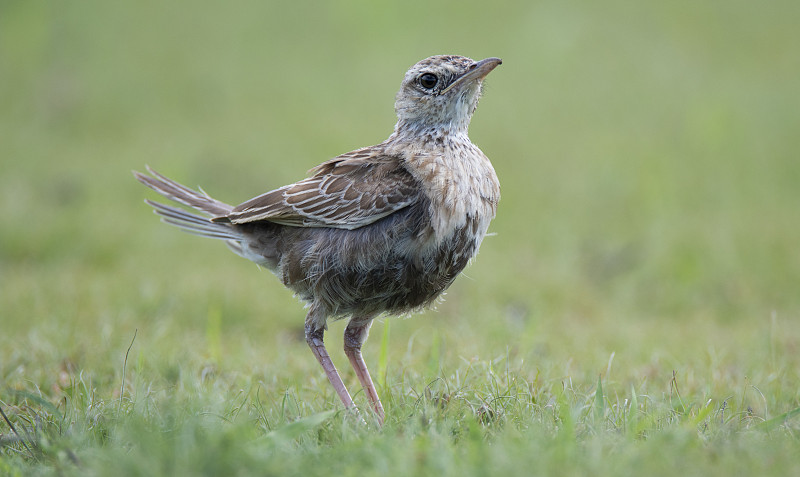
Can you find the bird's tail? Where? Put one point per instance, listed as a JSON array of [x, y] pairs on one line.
[[197, 200]]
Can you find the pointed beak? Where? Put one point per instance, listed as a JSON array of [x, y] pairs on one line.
[[477, 72]]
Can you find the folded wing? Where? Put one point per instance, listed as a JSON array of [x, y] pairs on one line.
[[348, 192]]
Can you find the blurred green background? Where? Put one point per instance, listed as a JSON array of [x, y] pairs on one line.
[[647, 151], [648, 155]]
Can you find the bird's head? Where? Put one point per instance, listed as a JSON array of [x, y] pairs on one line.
[[439, 94]]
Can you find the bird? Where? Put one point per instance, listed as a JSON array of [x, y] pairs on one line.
[[384, 229]]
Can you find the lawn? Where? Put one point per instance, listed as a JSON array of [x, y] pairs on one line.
[[637, 310]]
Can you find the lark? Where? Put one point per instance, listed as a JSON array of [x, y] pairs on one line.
[[383, 229]]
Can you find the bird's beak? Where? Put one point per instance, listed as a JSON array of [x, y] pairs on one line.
[[477, 72]]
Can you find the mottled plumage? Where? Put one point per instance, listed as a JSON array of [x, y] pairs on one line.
[[383, 229]]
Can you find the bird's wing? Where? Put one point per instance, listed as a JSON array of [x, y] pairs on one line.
[[348, 192]]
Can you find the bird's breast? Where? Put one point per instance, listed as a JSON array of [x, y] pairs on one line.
[[461, 186]]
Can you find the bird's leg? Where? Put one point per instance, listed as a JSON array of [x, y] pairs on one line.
[[354, 336], [314, 336]]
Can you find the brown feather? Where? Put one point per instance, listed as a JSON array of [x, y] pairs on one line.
[[345, 192]]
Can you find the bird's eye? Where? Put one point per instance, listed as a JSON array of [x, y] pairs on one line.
[[428, 80]]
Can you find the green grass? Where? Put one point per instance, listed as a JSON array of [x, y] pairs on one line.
[[637, 311]]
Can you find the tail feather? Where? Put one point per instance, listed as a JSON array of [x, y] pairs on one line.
[[192, 223], [198, 200], [172, 190]]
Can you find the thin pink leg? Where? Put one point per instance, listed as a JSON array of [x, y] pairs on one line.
[[314, 340], [354, 336]]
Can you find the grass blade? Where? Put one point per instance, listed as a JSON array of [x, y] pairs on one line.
[[383, 357], [779, 420], [633, 413], [599, 402], [295, 429]]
